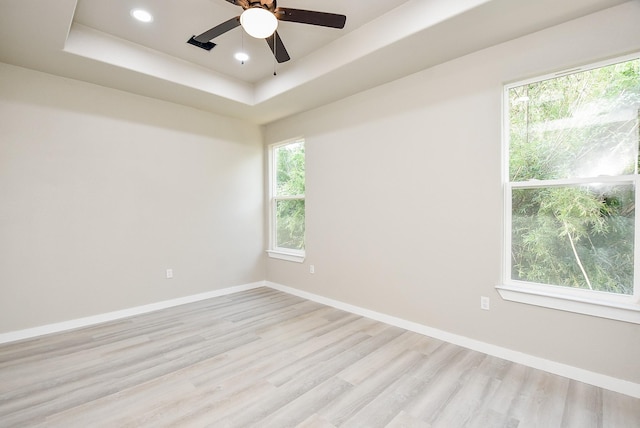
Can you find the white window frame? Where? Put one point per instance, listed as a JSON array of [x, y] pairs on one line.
[[274, 251], [595, 303]]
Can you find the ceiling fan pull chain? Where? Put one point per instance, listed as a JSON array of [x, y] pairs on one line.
[[275, 55], [242, 45]]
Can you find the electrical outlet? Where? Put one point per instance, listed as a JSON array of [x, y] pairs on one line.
[[312, 269], [484, 303], [169, 273]]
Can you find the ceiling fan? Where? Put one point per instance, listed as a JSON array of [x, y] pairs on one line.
[[260, 19]]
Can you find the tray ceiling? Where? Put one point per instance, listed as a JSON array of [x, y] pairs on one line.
[[99, 42]]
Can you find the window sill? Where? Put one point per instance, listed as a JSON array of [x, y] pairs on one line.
[[628, 312], [291, 257]]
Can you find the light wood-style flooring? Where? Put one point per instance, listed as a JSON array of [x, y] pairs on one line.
[[264, 358]]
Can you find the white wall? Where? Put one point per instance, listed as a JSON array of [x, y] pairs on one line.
[[101, 191], [404, 199]]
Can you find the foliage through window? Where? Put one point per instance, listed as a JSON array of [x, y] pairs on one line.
[[288, 197], [573, 179]]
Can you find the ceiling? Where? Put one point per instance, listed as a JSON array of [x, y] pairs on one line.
[[98, 41]]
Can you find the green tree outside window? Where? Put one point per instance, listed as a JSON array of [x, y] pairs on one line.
[[569, 225], [289, 161]]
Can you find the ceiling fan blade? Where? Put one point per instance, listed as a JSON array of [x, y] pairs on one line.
[[312, 17], [279, 51], [218, 30]]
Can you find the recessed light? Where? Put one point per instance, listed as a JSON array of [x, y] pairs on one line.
[[241, 56], [141, 15]]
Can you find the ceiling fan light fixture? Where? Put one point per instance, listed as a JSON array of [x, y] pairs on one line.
[[258, 22]]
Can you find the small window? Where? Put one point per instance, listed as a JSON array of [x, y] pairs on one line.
[[287, 199], [572, 146]]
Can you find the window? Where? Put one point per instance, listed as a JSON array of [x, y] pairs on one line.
[[287, 188], [571, 185]]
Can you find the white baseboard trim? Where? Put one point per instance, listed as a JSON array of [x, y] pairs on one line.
[[581, 375], [575, 373], [124, 313]]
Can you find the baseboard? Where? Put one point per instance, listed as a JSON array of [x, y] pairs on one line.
[[124, 313], [575, 373], [581, 375]]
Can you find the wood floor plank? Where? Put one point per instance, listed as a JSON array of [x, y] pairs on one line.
[[410, 387], [619, 410], [380, 358], [296, 412], [124, 407], [442, 379], [589, 416], [545, 400], [315, 421], [363, 394], [405, 420], [264, 358]]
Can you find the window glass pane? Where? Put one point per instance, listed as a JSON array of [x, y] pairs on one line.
[[578, 125], [290, 169], [574, 236], [290, 224]]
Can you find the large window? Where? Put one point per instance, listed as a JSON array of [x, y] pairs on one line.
[[571, 181], [287, 189]]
